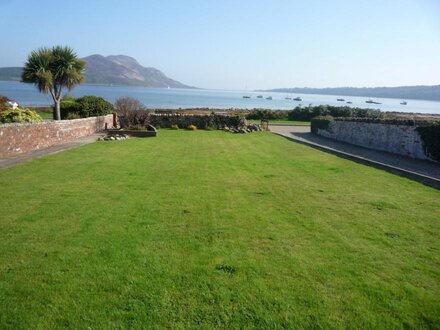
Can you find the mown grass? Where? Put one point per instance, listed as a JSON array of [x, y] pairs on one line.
[[46, 114], [211, 229]]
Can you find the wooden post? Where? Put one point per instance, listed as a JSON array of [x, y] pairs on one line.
[[115, 122]]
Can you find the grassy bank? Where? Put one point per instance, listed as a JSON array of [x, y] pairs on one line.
[[213, 229]]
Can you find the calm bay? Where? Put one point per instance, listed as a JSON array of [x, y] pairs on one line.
[[28, 95]]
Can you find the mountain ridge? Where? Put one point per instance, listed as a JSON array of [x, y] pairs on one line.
[[112, 70]]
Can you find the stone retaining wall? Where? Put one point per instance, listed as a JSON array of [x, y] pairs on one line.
[[398, 139], [20, 138]]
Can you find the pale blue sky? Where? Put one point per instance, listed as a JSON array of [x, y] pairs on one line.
[[237, 44]]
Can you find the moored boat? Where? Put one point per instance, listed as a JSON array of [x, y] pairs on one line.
[[372, 102]]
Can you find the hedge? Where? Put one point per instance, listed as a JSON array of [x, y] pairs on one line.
[[200, 121], [431, 140], [320, 122], [309, 112]]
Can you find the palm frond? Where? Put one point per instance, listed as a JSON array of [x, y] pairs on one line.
[[52, 69]]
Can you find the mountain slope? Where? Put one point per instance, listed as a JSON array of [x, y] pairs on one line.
[[125, 70], [113, 69], [11, 73]]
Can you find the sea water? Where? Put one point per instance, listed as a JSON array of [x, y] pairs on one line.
[[174, 98]]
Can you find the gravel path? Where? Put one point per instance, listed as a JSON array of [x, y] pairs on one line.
[[399, 163]]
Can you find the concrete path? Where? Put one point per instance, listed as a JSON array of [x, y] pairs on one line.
[[11, 161], [424, 171]]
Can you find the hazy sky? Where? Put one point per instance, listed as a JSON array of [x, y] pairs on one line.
[[241, 44]]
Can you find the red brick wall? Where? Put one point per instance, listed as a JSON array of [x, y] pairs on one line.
[[21, 138]]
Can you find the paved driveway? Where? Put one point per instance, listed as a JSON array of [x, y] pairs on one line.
[[302, 134]]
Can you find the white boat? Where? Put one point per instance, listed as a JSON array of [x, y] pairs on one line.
[[298, 99]]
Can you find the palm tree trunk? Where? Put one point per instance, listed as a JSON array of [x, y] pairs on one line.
[[57, 110]]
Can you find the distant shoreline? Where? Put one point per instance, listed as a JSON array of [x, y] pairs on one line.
[[175, 98], [422, 92]]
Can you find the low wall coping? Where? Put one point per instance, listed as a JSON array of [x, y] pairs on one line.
[[43, 122]]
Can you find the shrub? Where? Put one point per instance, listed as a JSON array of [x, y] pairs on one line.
[[18, 116], [200, 121], [174, 126], [192, 127], [72, 115], [127, 104], [68, 97], [135, 118], [259, 114], [321, 122], [309, 112], [3, 102], [69, 109], [431, 140], [92, 106]]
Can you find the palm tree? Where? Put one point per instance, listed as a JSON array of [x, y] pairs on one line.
[[51, 70]]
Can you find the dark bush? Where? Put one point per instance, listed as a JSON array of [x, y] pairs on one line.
[[68, 109], [212, 121], [83, 107], [309, 112], [431, 140], [135, 118], [266, 114], [321, 122], [92, 106]]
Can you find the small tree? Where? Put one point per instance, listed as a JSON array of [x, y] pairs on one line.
[[126, 104], [51, 70]]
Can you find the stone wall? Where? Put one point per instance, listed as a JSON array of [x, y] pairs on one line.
[[20, 138], [399, 139]]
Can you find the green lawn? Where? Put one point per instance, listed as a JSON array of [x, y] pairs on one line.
[[212, 229], [281, 122], [46, 114]]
